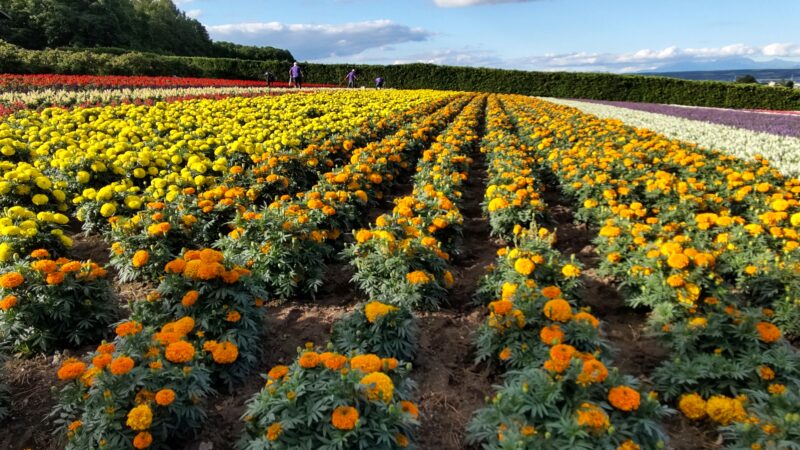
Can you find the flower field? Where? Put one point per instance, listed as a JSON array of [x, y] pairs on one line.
[[386, 270]]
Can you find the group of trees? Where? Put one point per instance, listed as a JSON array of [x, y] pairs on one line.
[[156, 26]]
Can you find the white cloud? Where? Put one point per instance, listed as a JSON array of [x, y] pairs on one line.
[[194, 13], [462, 3], [649, 59], [464, 57], [318, 41], [182, 2]]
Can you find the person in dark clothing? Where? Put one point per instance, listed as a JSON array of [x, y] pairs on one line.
[[269, 77], [379, 83]]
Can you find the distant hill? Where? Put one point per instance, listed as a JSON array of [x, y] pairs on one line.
[[762, 75]]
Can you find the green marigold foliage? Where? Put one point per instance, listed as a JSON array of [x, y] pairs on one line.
[[224, 301], [776, 424], [49, 304], [534, 409], [385, 330], [146, 386], [331, 401]]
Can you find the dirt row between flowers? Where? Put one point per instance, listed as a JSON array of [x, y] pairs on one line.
[[635, 352]]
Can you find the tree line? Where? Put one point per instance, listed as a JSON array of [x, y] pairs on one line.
[[115, 26]]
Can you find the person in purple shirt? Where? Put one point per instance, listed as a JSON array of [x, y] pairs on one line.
[[379, 83], [351, 79], [296, 76]]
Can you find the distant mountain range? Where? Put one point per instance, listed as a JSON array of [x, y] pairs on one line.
[[729, 69]]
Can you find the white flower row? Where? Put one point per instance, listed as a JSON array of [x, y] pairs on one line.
[[61, 97], [782, 151]]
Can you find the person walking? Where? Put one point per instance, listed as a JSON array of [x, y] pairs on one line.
[[270, 78], [351, 79], [296, 76], [379, 83]]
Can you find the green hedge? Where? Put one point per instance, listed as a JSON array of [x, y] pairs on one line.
[[414, 76]]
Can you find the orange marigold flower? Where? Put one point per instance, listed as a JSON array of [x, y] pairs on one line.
[[278, 372], [558, 310], [121, 365], [309, 360], [768, 332], [102, 360], [592, 417], [233, 316], [678, 261], [560, 358], [501, 307], [418, 277], [505, 354], [776, 389], [72, 266], [692, 406], [179, 352], [344, 418], [552, 335], [189, 298], [333, 361], [8, 302], [225, 353], [11, 280], [71, 369], [551, 292], [379, 386], [140, 258], [629, 445], [584, 316], [106, 348], [40, 253], [402, 440], [143, 440], [624, 398], [140, 418], [175, 266], [128, 328], [409, 408], [55, 278], [165, 397], [593, 371], [366, 363], [766, 373], [274, 431], [44, 265]]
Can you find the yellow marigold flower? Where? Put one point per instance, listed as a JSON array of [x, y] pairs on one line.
[[558, 310], [121, 365], [140, 258], [375, 310], [497, 203], [378, 386], [140, 418], [780, 205], [725, 410], [570, 271], [165, 397], [698, 322], [624, 398], [678, 261], [366, 363], [71, 369], [179, 352], [142, 440], [449, 280], [768, 332], [418, 277], [692, 406], [344, 418], [274, 432], [363, 236], [524, 266]]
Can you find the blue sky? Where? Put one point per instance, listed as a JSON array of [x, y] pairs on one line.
[[608, 35]]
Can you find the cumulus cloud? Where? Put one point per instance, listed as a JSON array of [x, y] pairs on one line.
[[462, 3], [465, 57], [194, 13], [649, 59], [318, 41]]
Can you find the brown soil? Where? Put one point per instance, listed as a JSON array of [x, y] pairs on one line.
[[635, 352], [451, 387]]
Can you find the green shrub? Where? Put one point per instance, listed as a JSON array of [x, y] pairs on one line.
[[385, 330]]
